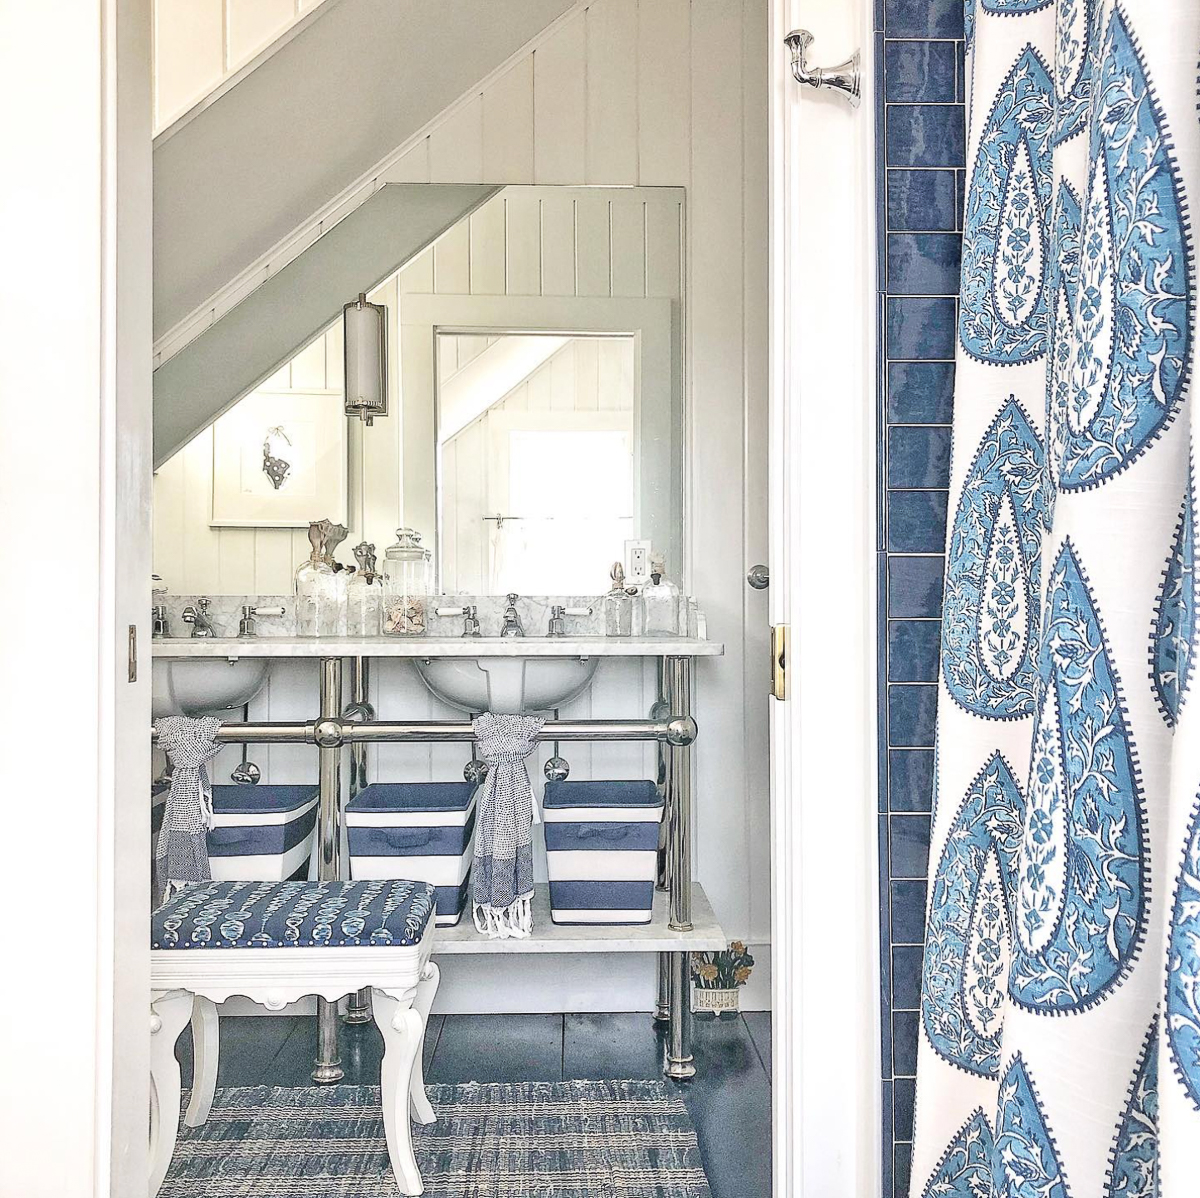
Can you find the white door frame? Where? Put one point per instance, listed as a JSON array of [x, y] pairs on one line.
[[823, 585], [75, 358]]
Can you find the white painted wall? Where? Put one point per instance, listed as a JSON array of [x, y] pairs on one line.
[[199, 44], [645, 92]]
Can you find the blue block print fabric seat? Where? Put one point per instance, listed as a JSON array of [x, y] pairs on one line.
[[384, 913]]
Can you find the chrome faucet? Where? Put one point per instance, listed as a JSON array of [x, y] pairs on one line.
[[248, 624], [470, 615], [512, 618], [160, 625], [199, 619]]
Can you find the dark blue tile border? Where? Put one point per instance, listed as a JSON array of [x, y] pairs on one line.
[[921, 176]]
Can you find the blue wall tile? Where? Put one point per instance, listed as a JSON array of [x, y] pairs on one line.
[[908, 909], [918, 456], [906, 978], [923, 18], [920, 180], [916, 521], [912, 709], [920, 329], [923, 263], [915, 586], [922, 201], [910, 779], [920, 392], [903, 1098], [908, 846], [925, 135], [912, 650], [920, 71], [904, 1043]]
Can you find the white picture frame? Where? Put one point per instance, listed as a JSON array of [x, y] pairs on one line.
[[315, 487]]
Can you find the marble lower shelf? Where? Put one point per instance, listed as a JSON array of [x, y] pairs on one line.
[[549, 937]]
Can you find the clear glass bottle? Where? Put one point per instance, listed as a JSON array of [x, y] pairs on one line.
[[662, 601], [618, 605], [364, 594], [316, 589], [406, 586], [335, 534]]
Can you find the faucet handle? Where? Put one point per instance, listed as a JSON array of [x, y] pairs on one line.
[[512, 598]]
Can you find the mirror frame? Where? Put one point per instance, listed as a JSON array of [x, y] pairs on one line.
[[656, 329]]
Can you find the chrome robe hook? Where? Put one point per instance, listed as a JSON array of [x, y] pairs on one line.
[[846, 77]]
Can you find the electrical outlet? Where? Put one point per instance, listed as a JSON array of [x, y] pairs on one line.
[[637, 562]]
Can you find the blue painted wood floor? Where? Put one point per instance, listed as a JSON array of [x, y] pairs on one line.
[[729, 1100]]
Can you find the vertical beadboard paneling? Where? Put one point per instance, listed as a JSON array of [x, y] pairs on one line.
[[664, 250], [452, 261], [456, 148], [612, 116], [665, 131], [558, 244], [593, 261], [251, 25], [627, 225], [508, 126], [488, 248], [189, 54], [523, 243], [201, 552], [560, 106]]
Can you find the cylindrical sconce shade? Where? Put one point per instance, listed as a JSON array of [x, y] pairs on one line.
[[365, 327]]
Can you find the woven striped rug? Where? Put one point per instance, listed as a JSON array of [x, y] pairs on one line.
[[578, 1139]]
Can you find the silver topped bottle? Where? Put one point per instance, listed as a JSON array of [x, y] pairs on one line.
[[662, 601], [364, 594]]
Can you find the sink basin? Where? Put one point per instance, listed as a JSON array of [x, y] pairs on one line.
[[199, 686], [511, 685]]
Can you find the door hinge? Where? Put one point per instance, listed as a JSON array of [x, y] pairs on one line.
[[132, 652], [779, 647]]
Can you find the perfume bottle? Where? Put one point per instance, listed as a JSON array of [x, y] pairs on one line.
[[662, 601], [364, 594], [335, 534], [619, 604], [315, 588]]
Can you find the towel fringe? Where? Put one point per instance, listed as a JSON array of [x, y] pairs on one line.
[[514, 922]]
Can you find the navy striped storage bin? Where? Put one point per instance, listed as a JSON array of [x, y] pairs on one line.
[[421, 831], [601, 850], [261, 833]]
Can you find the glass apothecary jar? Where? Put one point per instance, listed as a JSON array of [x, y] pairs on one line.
[[364, 594], [406, 585], [318, 611]]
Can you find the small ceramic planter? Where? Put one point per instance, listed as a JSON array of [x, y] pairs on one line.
[[714, 1003]]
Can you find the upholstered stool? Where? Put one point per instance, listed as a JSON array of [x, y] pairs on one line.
[[276, 942]]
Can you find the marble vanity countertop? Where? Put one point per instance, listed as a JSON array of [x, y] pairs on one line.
[[231, 648]]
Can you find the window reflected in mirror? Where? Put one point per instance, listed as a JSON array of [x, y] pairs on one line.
[[537, 453]]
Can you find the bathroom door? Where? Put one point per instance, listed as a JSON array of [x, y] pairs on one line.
[[823, 587]]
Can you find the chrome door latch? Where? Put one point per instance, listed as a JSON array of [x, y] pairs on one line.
[[846, 77]]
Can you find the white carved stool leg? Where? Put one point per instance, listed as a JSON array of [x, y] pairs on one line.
[[206, 1049], [403, 1032], [418, 1101], [168, 1014]]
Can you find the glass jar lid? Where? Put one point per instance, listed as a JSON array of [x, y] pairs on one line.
[[407, 547]]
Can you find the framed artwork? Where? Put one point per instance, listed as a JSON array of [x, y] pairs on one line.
[[280, 461]]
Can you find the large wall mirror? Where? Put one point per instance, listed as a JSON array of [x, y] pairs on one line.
[[535, 425]]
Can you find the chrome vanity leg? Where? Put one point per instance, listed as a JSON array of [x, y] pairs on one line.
[[661, 710], [328, 1065], [680, 1065], [358, 1006]]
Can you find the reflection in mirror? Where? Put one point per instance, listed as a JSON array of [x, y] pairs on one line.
[[536, 460]]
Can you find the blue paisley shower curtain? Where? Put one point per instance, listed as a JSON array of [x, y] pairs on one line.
[[1060, 1013]]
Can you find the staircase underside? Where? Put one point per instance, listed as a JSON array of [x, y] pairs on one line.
[[250, 342], [309, 120]]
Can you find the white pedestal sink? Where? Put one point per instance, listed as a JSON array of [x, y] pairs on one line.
[[511, 685], [198, 686]]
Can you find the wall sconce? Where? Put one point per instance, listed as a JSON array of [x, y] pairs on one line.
[[365, 327]]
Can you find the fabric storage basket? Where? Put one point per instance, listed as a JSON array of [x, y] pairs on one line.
[[601, 850], [261, 833], [421, 831]]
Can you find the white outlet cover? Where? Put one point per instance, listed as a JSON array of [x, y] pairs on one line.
[[637, 562]]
